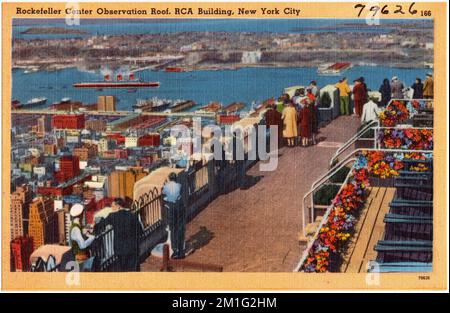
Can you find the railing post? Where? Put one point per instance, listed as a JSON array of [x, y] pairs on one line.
[[212, 188]]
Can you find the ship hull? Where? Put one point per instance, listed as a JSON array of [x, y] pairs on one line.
[[117, 85]]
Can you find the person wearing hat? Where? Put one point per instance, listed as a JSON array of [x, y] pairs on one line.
[[176, 215], [428, 91], [79, 242], [359, 96], [397, 88]]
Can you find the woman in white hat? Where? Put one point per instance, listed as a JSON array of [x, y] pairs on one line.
[[77, 240]]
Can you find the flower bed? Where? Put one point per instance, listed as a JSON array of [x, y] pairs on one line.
[[339, 225], [395, 113], [409, 138], [325, 252]]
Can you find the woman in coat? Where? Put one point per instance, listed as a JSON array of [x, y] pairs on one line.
[[428, 91], [417, 87], [385, 91], [289, 117], [359, 96], [306, 123], [397, 88]]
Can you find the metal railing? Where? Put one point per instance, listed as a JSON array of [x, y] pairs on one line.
[[318, 184], [371, 125], [103, 247]]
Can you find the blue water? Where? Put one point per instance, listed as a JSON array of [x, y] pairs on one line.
[[244, 85], [138, 26]]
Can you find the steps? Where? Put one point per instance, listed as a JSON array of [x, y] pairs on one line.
[[368, 230]]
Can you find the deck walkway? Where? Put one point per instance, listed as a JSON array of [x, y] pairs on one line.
[[256, 230], [369, 230]]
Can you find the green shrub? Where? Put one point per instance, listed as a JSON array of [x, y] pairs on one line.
[[368, 134], [325, 100], [325, 194], [340, 176]]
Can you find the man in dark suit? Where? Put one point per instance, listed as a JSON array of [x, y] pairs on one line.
[[127, 230]]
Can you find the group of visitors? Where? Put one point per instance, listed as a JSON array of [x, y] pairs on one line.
[[393, 89], [299, 116], [128, 229], [360, 95]]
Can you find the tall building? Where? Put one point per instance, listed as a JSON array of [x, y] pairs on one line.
[[69, 167], [121, 183], [43, 125], [106, 103], [20, 201], [43, 222], [21, 249]]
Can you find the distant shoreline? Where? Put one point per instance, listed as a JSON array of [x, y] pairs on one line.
[[52, 30]]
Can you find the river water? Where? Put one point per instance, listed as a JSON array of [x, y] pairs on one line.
[[226, 86]]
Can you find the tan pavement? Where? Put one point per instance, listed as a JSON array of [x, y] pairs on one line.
[[256, 230]]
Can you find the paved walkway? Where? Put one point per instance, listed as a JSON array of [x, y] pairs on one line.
[[256, 230]]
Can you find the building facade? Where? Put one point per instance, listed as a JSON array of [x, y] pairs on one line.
[[43, 222], [20, 201], [21, 249], [68, 121]]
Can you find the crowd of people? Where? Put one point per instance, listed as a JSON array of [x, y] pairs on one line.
[[298, 116]]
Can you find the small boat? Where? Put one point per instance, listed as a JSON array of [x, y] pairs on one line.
[[35, 102], [65, 100], [174, 69], [333, 68]]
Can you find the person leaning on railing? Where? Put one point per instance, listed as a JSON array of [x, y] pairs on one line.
[[127, 230], [176, 216]]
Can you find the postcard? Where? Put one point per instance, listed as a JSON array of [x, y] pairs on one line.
[[283, 146]]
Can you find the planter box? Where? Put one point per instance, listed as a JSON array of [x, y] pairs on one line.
[[319, 210]]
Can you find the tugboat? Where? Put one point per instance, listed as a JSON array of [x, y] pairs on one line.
[[129, 83]]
